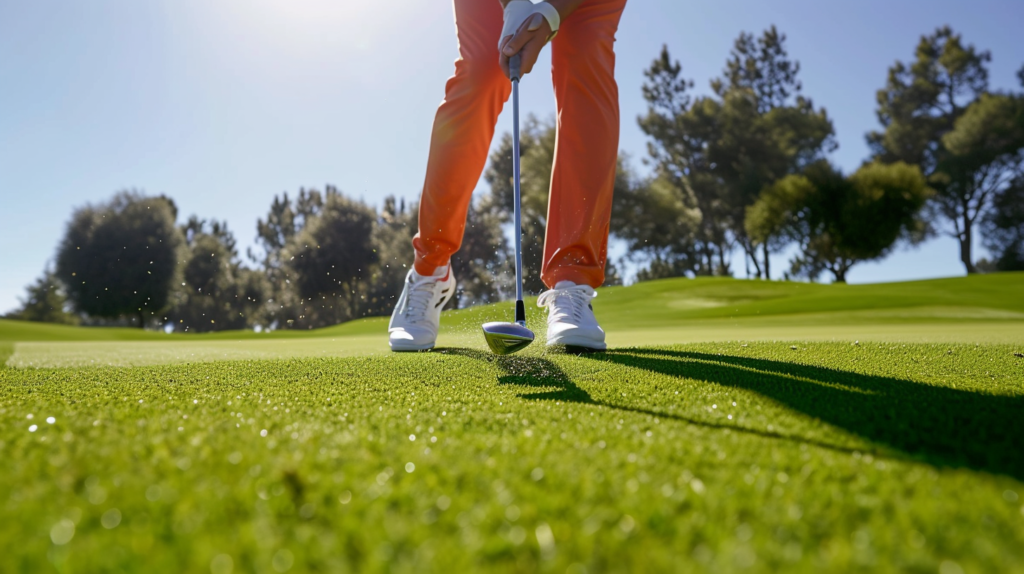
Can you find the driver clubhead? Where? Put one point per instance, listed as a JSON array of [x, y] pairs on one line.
[[507, 338]]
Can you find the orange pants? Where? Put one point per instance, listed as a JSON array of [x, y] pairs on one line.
[[586, 149]]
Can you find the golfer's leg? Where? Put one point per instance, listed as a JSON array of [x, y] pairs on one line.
[[587, 97], [463, 129]]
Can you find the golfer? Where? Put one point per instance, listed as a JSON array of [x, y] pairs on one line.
[[582, 34]]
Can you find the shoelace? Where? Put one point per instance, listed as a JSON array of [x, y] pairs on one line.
[[420, 293], [567, 300]]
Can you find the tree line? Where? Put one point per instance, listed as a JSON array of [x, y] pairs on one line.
[[743, 168], [321, 258], [746, 167]]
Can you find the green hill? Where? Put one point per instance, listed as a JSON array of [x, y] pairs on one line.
[[981, 308]]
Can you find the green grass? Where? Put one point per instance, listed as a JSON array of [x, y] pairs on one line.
[[746, 454], [978, 309]]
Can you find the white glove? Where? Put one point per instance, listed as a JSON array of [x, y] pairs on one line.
[[518, 11]]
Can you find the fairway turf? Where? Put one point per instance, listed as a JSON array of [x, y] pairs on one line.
[[736, 456], [975, 309]]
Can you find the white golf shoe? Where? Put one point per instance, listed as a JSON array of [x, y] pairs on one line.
[[417, 316], [571, 320]]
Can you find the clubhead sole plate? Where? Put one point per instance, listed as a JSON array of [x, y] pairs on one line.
[[507, 338]]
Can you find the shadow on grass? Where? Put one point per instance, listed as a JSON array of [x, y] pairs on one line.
[[531, 373], [938, 425], [941, 426], [540, 373]]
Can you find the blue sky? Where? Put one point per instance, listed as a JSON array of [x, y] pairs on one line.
[[222, 105]]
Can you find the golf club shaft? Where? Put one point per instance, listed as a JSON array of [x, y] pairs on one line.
[[514, 73]]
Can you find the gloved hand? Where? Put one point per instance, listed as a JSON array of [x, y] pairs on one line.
[[528, 27]]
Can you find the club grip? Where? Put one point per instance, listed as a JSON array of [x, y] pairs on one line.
[[515, 65]]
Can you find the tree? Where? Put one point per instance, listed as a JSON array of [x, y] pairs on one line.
[[658, 268], [216, 292], [839, 220], [659, 222], [768, 130], [46, 302], [774, 220], [285, 220], [392, 241], [330, 261], [1003, 227], [762, 67], [986, 160], [120, 258], [921, 103], [681, 131], [612, 275], [726, 149]]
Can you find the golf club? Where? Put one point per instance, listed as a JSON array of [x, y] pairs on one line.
[[507, 338]]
